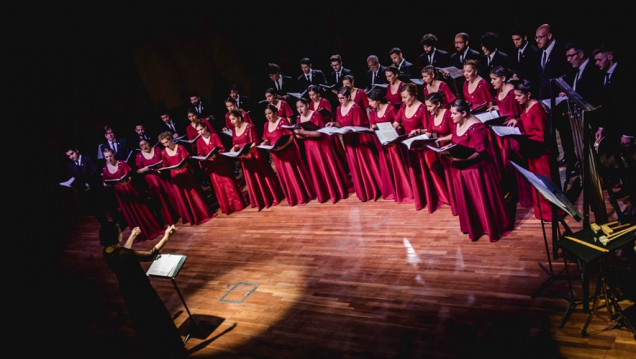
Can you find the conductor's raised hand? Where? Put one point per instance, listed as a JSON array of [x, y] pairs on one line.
[[135, 232], [171, 229]]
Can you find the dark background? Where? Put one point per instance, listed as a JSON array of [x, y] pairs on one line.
[[79, 67]]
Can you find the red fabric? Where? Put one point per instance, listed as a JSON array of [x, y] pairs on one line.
[[449, 96], [159, 188], [480, 95]]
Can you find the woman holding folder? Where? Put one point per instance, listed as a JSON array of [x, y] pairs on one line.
[[291, 170], [327, 172], [159, 188], [186, 191], [262, 185], [220, 171], [480, 203], [136, 213], [284, 110]]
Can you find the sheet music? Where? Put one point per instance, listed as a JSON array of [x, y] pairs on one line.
[[266, 147], [166, 265], [385, 132], [453, 71], [409, 142], [417, 81], [68, 183], [227, 132], [502, 131], [557, 101], [487, 116]]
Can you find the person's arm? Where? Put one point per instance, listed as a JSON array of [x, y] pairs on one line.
[[133, 234], [147, 256]]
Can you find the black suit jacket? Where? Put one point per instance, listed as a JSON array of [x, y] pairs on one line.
[[122, 149], [616, 96], [243, 102], [589, 84], [441, 58], [332, 77], [87, 172], [180, 127], [526, 65], [134, 139], [499, 59], [317, 78], [204, 110], [555, 67], [470, 54], [289, 85], [407, 72], [380, 79]]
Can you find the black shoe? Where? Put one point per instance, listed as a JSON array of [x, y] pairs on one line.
[[562, 162]]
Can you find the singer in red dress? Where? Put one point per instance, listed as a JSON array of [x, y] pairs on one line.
[[225, 185], [284, 110], [359, 149], [509, 148], [427, 182], [533, 124], [357, 95], [328, 174], [392, 158], [291, 170], [439, 125], [158, 187], [187, 193], [430, 76], [230, 105], [394, 89], [262, 185], [477, 91], [136, 213], [480, 203]]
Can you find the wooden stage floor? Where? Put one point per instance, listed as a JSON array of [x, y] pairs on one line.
[[344, 280]]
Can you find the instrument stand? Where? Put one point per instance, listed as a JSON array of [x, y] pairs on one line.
[[606, 292]]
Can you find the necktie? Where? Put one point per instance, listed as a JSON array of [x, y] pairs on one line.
[[430, 59], [519, 55], [544, 59], [337, 77], [461, 59], [172, 127], [576, 79], [606, 80], [375, 74], [277, 86], [77, 163], [114, 146], [488, 57]]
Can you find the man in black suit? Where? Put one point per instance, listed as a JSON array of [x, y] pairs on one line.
[[142, 134], [492, 56], [201, 106], [88, 188], [462, 53], [525, 59], [552, 65], [432, 55], [279, 82], [376, 73], [617, 128], [242, 101], [168, 124], [407, 70], [585, 78], [338, 72], [309, 76], [119, 146]]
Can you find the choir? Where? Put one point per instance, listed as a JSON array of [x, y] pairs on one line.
[[315, 164]]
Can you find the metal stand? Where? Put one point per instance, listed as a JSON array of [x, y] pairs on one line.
[[193, 323]]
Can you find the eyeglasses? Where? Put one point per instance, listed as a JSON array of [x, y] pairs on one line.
[[458, 42], [540, 36], [569, 56], [341, 98]]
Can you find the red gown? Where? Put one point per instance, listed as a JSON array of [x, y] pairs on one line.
[[260, 179], [328, 174], [392, 161], [192, 132], [509, 149], [480, 96], [359, 152], [285, 110], [480, 203], [228, 124], [136, 213], [291, 170], [395, 99], [324, 103], [533, 123], [444, 129], [449, 96], [361, 99], [190, 201], [427, 182], [226, 188], [159, 188]]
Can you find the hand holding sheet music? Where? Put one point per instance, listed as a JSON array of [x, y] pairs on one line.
[[490, 116], [212, 152], [242, 151], [502, 131], [418, 140], [454, 150], [387, 134], [452, 71]]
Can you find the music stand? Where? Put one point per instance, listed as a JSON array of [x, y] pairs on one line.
[[557, 199], [168, 266]]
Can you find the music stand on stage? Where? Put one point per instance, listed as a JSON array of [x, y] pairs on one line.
[[168, 266], [557, 200]]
